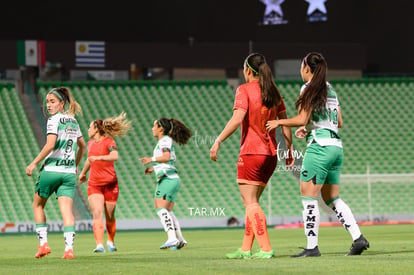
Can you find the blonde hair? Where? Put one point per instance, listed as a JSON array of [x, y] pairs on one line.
[[71, 106], [113, 126]]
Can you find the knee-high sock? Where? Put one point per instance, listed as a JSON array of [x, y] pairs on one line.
[[69, 236], [258, 219], [248, 235], [167, 223], [345, 216], [311, 220], [111, 230], [177, 226], [98, 231], [41, 231]]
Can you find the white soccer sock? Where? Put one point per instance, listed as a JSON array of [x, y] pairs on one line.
[[42, 234], [69, 240], [177, 227], [311, 220], [345, 216], [167, 222]]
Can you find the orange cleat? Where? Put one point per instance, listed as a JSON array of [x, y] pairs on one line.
[[42, 250], [68, 254]]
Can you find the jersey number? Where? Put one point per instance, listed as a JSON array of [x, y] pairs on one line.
[[69, 146], [65, 161], [333, 116]]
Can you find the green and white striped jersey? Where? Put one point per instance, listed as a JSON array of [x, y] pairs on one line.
[[323, 127], [165, 169], [63, 157]]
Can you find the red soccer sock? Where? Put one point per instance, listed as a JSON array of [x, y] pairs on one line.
[[258, 219], [248, 236]]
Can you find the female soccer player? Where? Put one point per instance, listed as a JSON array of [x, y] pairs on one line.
[[256, 102], [318, 109], [62, 154], [103, 183], [168, 182]]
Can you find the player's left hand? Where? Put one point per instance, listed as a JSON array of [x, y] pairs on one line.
[[82, 178], [301, 132], [272, 124], [145, 160], [214, 150], [29, 169], [93, 158], [148, 170], [290, 160]]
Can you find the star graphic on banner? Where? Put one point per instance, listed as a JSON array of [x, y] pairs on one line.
[[316, 5], [273, 5]]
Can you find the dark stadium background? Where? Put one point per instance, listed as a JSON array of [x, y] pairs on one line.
[[372, 36]]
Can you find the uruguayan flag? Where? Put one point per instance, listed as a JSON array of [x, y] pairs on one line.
[[90, 53]]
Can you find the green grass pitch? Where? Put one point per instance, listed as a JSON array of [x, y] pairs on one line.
[[391, 252]]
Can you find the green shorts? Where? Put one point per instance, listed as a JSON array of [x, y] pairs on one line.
[[63, 184], [167, 189], [322, 164]]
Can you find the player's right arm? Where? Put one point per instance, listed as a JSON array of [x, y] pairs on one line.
[[50, 144], [82, 175], [340, 122]]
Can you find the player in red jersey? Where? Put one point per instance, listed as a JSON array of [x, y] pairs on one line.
[[102, 182], [256, 102]]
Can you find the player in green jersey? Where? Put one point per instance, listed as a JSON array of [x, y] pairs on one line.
[[319, 119], [62, 154], [162, 164]]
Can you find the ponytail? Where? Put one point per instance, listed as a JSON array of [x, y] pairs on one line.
[[270, 93], [315, 94], [175, 129], [71, 106]]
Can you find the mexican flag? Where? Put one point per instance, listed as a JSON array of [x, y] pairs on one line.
[[31, 53]]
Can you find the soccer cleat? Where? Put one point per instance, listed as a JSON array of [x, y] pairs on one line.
[[239, 254], [313, 252], [68, 254], [169, 244], [180, 245], [99, 249], [42, 250], [358, 246], [111, 246], [263, 255]]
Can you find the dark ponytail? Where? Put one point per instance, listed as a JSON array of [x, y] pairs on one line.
[[315, 94], [175, 129], [270, 93]]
